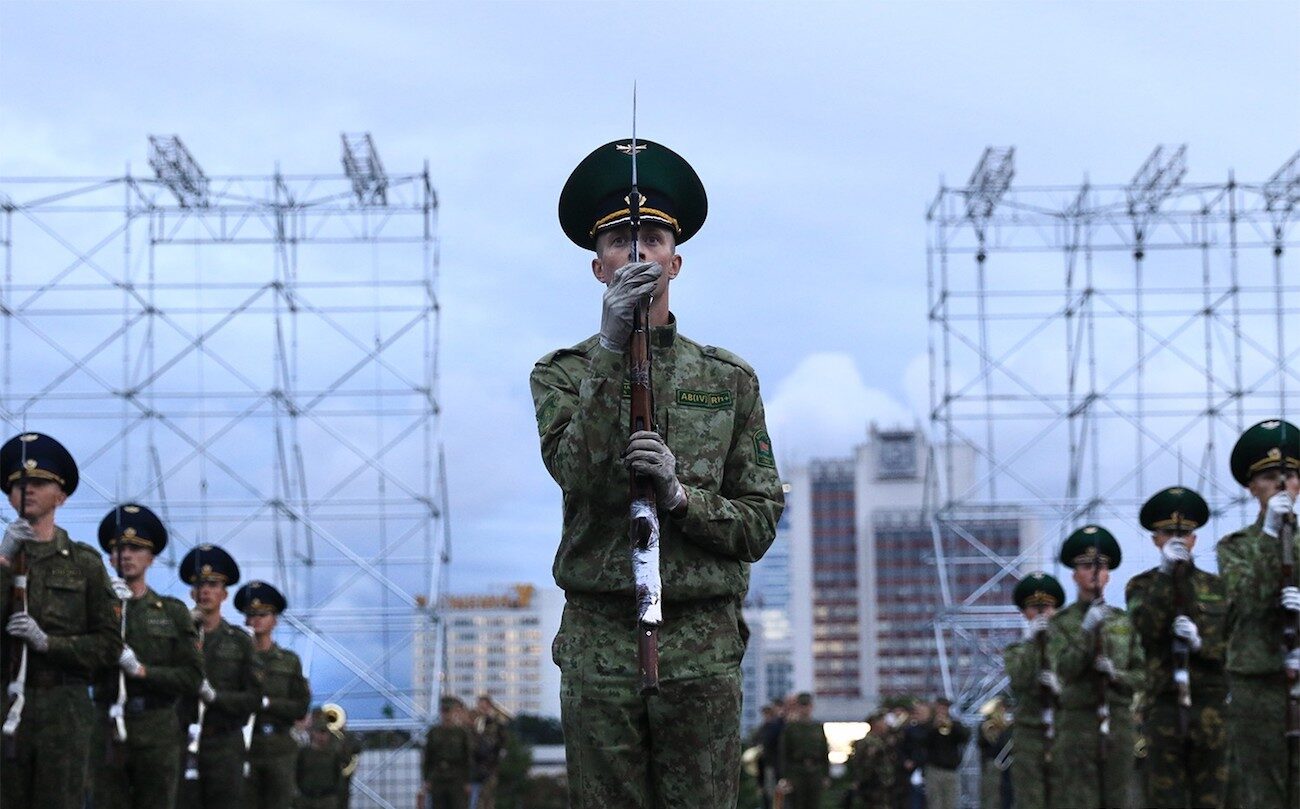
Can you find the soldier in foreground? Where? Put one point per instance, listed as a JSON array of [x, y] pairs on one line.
[[718, 499], [1099, 665], [1179, 612], [160, 663], [318, 771], [1264, 461], [63, 630], [228, 693], [285, 699], [805, 757], [448, 756], [1035, 689], [871, 767]]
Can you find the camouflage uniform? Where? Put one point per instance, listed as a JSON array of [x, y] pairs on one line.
[[448, 753], [871, 772], [993, 740], [804, 762], [349, 748], [1075, 776], [1181, 771], [1028, 731], [710, 414], [144, 772], [228, 665], [69, 597], [273, 752], [319, 776], [1249, 561]]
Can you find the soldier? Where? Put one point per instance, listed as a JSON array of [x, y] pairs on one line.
[[718, 493], [160, 662], [285, 698], [995, 755], [1178, 604], [804, 756], [229, 691], [448, 755], [490, 740], [319, 768], [1264, 461], [871, 766], [347, 745], [944, 746], [1033, 688], [1099, 665], [57, 637]]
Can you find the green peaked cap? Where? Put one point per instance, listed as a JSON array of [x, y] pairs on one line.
[[595, 196], [1176, 509], [1085, 543], [1273, 444], [1038, 589]]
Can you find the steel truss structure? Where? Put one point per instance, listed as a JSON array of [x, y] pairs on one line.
[[255, 357], [1092, 344]]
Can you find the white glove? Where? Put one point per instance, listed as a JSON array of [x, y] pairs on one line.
[[1036, 626], [1104, 665], [1049, 680], [1173, 552], [15, 532], [196, 615], [1291, 598], [1185, 628], [24, 626], [918, 779], [130, 663], [648, 455], [1095, 615], [121, 590], [1277, 509], [1293, 662], [206, 693], [629, 284]]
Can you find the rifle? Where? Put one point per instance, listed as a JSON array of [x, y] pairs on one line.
[[643, 528], [194, 733], [1290, 640], [1049, 719], [18, 679], [1182, 652], [1103, 701], [117, 711]]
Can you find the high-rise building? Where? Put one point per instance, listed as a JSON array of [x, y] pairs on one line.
[[498, 644], [767, 611]]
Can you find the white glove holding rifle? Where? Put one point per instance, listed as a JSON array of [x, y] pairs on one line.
[[1048, 679], [1173, 553], [1036, 626], [648, 455], [1186, 629], [627, 287], [130, 663], [1095, 616], [23, 625], [15, 532], [1280, 508]]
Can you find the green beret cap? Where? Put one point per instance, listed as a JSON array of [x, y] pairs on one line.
[[1038, 589], [1174, 509], [132, 524], [37, 456], [1086, 543], [596, 194], [1273, 444]]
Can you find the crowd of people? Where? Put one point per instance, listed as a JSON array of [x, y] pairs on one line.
[[463, 754]]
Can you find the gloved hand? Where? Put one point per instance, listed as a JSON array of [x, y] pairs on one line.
[[1036, 626], [918, 778], [1293, 662], [15, 532], [1173, 552], [130, 663], [1095, 615], [23, 625], [1186, 629], [1104, 665], [648, 455], [1049, 680], [629, 284], [1278, 507], [206, 693], [196, 615], [1291, 598], [121, 590]]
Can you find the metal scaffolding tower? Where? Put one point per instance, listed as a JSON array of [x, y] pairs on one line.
[[255, 356], [1092, 344]]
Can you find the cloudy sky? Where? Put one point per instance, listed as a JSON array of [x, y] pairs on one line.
[[821, 130]]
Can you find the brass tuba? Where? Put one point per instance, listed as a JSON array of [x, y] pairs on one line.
[[335, 717]]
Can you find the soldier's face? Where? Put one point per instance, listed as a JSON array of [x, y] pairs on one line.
[[1086, 575], [43, 497], [1162, 536], [132, 560], [209, 596], [654, 243], [1269, 482], [1033, 611], [260, 623]]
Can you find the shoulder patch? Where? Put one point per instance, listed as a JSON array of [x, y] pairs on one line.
[[763, 449], [546, 412], [703, 399]]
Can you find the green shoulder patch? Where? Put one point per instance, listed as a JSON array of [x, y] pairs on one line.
[[763, 449], [627, 389], [545, 413], [705, 400]]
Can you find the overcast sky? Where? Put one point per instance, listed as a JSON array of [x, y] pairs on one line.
[[821, 131]]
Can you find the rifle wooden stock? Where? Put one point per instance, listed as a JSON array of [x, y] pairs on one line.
[[1182, 652], [1049, 719], [1290, 640], [643, 529], [1103, 685], [17, 679]]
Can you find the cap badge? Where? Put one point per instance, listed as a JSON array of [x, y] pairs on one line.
[[626, 148], [29, 437]]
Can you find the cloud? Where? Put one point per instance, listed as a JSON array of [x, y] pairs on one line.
[[823, 407]]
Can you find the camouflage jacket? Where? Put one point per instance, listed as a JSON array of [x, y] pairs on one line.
[[69, 597], [1022, 665], [161, 632], [1250, 564], [803, 749], [228, 667], [871, 764], [708, 410], [448, 754], [1071, 651], [1150, 597], [288, 696]]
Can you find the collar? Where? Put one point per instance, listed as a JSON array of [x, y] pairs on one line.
[[664, 336], [60, 544]]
